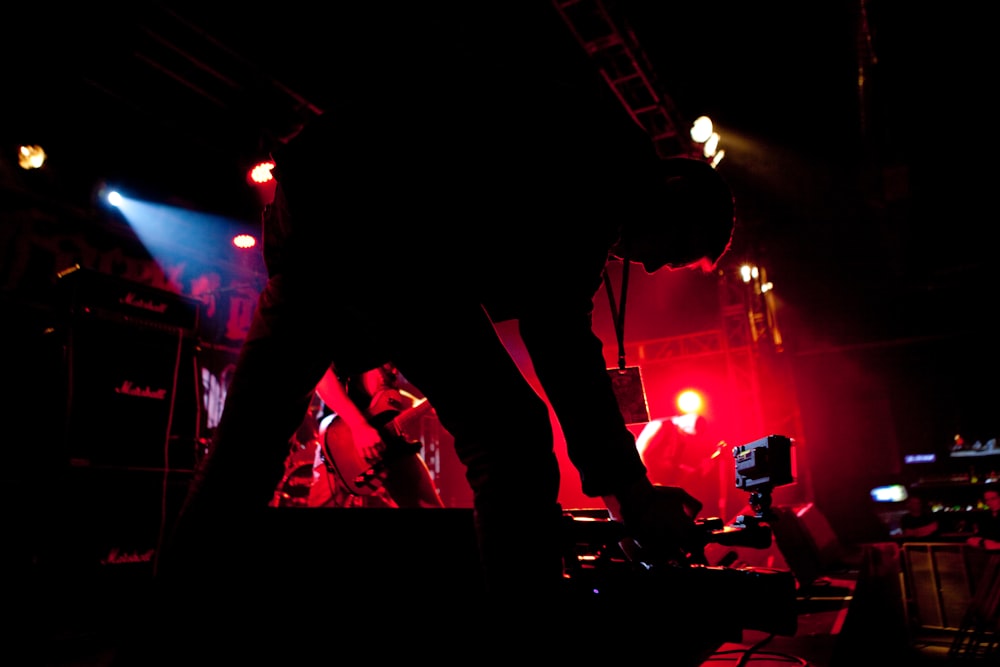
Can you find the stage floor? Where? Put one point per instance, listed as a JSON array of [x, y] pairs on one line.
[[420, 568]]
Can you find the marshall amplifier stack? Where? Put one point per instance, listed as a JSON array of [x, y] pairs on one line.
[[128, 426], [131, 376]]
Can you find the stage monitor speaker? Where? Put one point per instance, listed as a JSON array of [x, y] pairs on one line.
[[131, 396], [806, 540]]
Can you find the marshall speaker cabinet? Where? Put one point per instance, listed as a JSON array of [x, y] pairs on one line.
[[131, 378]]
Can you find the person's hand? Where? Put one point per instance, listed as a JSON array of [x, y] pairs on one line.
[[660, 524], [368, 443]]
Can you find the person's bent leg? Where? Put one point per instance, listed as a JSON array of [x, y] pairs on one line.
[[219, 533], [503, 436]]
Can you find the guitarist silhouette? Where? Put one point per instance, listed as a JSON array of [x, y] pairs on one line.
[[367, 443], [680, 453]]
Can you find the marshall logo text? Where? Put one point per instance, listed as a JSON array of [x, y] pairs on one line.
[[131, 299], [118, 557], [129, 389]]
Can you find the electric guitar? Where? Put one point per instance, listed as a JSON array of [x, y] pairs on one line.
[[393, 421]]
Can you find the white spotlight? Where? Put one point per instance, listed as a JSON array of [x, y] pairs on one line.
[[701, 129]]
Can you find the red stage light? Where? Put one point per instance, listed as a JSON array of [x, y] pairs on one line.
[[261, 178], [260, 173], [690, 401]]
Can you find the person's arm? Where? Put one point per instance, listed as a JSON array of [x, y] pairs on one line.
[[366, 437], [981, 542], [922, 531], [556, 327], [555, 323]]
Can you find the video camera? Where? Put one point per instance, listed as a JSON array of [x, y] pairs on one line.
[[760, 466], [597, 564]]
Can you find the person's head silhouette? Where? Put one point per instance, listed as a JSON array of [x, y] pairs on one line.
[[689, 222]]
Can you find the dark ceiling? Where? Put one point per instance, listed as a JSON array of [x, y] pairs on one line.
[[173, 98], [147, 95], [836, 119]]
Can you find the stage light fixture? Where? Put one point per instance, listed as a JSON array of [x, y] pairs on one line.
[[260, 176], [30, 157], [244, 241], [690, 401], [701, 129], [703, 133], [711, 145], [261, 172]]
